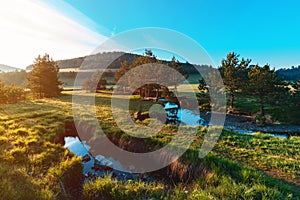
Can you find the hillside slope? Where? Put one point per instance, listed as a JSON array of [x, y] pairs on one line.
[[102, 60], [292, 74], [6, 68]]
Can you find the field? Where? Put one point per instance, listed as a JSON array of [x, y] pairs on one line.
[[34, 165], [281, 111]]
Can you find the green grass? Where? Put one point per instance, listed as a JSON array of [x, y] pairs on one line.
[[276, 156], [283, 112], [106, 188], [34, 167]]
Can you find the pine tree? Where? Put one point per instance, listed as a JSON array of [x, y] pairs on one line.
[[122, 71], [151, 73], [262, 83], [174, 78], [234, 73], [43, 78], [296, 95]]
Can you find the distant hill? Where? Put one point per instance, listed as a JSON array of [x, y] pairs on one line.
[[97, 61], [101, 60], [6, 68], [292, 74]]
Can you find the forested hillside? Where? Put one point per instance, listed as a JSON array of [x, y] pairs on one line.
[[102, 60], [292, 74]]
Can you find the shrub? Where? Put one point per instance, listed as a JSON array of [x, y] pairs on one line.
[[11, 94]]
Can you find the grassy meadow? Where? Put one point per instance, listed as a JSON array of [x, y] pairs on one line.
[[35, 166], [281, 111]]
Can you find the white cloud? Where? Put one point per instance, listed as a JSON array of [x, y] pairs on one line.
[[29, 28]]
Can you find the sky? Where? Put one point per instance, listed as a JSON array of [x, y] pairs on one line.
[[264, 31]]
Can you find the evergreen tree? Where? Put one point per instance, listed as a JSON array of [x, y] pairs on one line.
[[149, 53], [152, 73], [296, 95], [234, 73], [203, 95], [262, 84], [174, 79], [134, 81], [123, 69], [43, 78]]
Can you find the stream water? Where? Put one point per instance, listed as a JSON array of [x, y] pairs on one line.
[[176, 116], [99, 166]]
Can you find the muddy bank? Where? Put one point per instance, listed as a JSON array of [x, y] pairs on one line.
[[244, 122], [95, 163], [177, 171]]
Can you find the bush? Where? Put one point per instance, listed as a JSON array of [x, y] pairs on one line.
[[11, 94]]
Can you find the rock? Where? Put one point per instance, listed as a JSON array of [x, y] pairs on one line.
[[86, 158], [99, 158]]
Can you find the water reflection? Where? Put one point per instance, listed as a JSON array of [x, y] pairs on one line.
[[175, 115], [98, 166]]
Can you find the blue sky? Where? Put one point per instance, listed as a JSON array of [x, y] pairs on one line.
[[265, 31]]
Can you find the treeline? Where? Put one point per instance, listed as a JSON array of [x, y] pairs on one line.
[[292, 74], [152, 73], [11, 93], [42, 82], [112, 60], [12, 86], [238, 75], [97, 61], [43, 79], [260, 82], [17, 77]]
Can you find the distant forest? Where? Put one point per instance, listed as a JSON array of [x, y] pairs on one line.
[[102, 60], [15, 77], [292, 74]]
